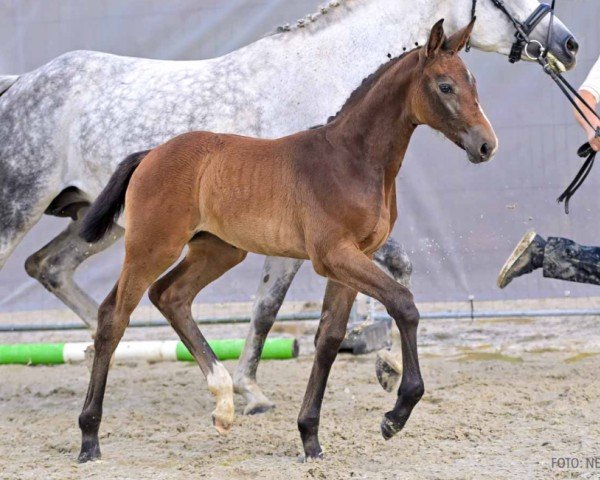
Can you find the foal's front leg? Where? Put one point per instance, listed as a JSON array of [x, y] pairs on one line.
[[277, 276], [337, 304], [348, 265]]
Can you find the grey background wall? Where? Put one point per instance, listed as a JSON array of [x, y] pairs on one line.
[[458, 221]]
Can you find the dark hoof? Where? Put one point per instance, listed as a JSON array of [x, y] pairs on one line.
[[390, 425], [258, 409], [387, 370], [89, 453], [312, 457]]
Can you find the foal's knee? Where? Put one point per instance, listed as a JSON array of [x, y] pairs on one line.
[[404, 311]]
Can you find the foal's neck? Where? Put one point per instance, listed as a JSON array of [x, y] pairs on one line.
[[377, 121]]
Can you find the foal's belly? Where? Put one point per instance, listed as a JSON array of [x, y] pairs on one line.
[[262, 231]]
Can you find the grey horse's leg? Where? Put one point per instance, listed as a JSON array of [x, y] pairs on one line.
[[393, 259], [277, 275], [55, 264]]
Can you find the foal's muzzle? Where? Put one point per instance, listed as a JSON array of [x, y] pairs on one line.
[[480, 144]]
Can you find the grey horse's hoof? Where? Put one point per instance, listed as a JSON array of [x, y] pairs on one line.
[[388, 370], [257, 409]]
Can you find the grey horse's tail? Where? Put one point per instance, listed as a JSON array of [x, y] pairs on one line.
[[109, 204], [6, 81]]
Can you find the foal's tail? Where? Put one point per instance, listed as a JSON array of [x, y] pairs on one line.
[[109, 204]]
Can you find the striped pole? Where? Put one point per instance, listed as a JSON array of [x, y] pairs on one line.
[[154, 351]]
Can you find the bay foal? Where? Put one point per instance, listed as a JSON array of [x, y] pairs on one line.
[[326, 194]]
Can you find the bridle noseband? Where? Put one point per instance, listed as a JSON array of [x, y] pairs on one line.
[[523, 29], [520, 46]]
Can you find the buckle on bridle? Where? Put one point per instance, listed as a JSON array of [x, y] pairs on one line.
[[516, 51]]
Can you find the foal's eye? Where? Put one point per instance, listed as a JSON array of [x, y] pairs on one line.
[[445, 88]]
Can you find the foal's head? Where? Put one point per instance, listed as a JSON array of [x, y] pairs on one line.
[[446, 95]]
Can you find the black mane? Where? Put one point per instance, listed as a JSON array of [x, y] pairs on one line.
[[368, 82]]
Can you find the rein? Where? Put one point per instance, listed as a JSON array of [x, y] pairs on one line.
[[520, 46]]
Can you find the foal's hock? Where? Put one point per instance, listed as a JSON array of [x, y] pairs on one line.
[[326, 194]]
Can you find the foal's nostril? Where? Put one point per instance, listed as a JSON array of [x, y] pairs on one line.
[[484, 150], [572, 46]]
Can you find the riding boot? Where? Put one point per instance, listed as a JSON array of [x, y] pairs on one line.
[[566, 260], [526, 257]]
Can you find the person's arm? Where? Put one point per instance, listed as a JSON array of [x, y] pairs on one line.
[[590, 91], [591, 99]]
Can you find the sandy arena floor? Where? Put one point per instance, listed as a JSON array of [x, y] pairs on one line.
[[501, 402]]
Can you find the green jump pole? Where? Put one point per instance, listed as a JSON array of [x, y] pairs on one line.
[[274, 349], [57, 353]]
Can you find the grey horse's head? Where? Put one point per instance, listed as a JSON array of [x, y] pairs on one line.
[[494, 31]]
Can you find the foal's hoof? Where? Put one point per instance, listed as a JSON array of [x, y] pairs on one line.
[[388, 370], [89, 453], [390, 425], [258, 408], [312, 457], [221, 425]]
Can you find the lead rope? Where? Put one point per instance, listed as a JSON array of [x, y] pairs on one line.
[[585, 150], [582, 174]]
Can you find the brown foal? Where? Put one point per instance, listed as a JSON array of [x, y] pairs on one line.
[[326, 194]]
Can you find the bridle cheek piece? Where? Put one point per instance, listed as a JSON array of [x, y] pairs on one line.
[[523, 42]]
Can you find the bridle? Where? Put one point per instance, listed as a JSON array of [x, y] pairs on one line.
[[522, 45], [522, 29]]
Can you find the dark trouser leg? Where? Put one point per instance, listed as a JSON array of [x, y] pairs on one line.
[[566, 260]]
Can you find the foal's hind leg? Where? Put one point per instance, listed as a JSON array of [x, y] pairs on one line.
[[142, 266], [55, 264], [277, 275], [207, 259]]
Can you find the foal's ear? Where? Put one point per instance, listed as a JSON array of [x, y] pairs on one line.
[[436, 39], [457, 41]]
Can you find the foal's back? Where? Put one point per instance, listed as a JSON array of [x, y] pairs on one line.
[[247, 191]]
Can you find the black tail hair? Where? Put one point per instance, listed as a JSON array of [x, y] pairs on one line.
[[108, 206]]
